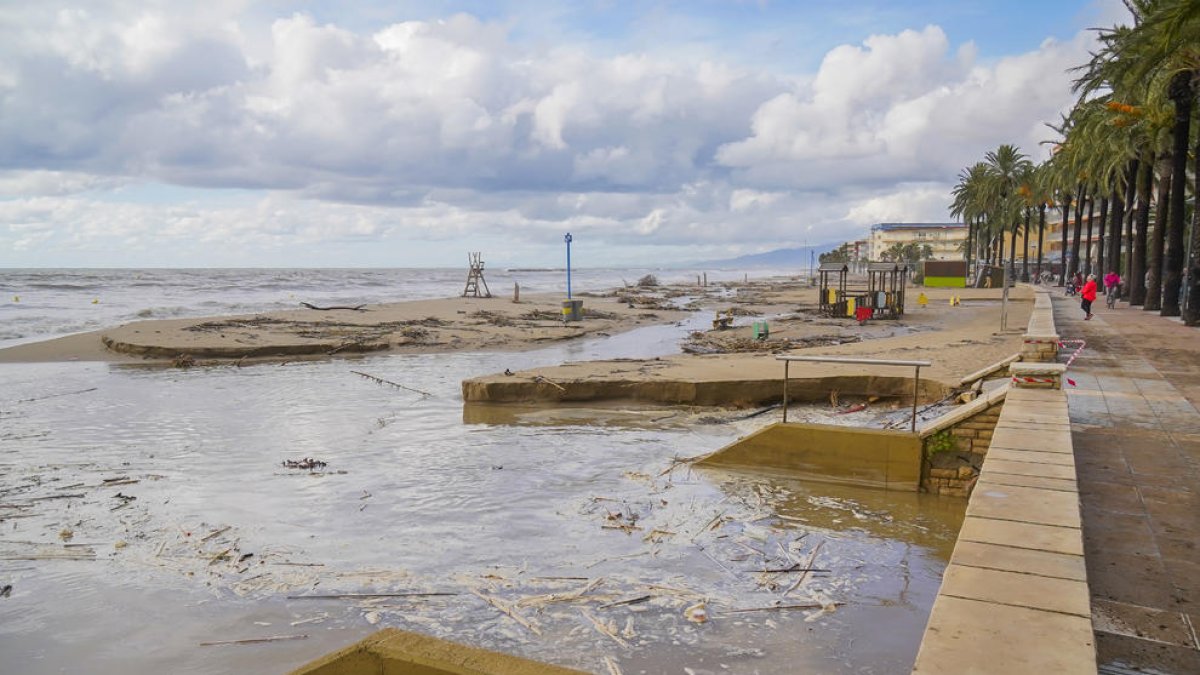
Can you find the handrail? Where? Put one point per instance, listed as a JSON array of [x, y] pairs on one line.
[[849, 359]]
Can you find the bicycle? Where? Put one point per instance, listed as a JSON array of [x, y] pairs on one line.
[[1111, 297]]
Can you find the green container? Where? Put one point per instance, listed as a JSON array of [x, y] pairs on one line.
[[760, 330]]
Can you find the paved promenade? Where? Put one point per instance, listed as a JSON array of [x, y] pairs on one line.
[[1135, 423]]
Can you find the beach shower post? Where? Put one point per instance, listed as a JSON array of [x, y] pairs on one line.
[[568, 240], [572, 310]]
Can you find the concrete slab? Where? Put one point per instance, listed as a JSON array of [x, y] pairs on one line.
[[1044, 563], [998, 465], [1056, 440], [1024, 504], [1058, 458], [1063, 484], [1051, 538], [971, 636], [1069, 596]]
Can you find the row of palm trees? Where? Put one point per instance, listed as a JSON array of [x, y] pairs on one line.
[[1124, 153]]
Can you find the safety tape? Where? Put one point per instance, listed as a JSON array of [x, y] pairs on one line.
[[1033, 380], [1074, 355]]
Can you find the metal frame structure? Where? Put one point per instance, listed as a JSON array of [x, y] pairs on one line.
[[830, 298], [840, 359], [886, 283]]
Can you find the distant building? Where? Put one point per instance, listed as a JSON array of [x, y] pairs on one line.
[[946, 239]]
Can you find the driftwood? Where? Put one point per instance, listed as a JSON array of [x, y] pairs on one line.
[[380, 380], [804, 574], [248, 641], [806, 605], [508, 611], [356, 308], [604, 629], [356, 596]]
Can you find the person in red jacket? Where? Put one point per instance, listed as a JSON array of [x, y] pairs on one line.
[[1088, 294]]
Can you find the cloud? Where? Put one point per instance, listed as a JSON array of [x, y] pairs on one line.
[[452, 127]]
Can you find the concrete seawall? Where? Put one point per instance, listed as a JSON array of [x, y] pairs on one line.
[[1014, 598]]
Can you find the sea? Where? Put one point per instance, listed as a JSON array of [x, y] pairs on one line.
[[153, 520]]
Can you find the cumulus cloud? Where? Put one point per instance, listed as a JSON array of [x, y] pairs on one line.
[[447, 127]]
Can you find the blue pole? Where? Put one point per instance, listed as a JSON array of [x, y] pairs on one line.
[[568, 240]]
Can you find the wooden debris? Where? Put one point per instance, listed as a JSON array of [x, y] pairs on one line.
[[627, 601], [613, 668], [380, 380], [503, 608], [248, 641], [605, 629], [543, 379], [359, 596], [308, 463], [215, 533], [768, 608], [356, 308], [804, 574]]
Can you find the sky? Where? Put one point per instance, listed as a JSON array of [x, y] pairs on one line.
[[363, 133]]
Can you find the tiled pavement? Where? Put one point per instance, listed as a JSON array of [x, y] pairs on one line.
[[1135, 426]]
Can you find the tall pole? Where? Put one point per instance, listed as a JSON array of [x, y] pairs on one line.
[[568, 240]]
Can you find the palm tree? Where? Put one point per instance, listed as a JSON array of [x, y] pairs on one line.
[[969, 204], [1162, 48], [1006, 166]]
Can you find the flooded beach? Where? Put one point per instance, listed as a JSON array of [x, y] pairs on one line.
[[167, 489]]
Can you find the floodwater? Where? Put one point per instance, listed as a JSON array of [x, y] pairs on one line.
[[166, 490]]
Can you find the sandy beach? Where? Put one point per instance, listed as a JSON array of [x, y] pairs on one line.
[[957, 339], [420, 327]]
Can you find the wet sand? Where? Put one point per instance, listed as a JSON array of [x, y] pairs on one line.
[[720, 366]]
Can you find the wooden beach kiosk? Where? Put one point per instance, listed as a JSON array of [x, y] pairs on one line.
[[831, 298], [881, 298], [885, 289]]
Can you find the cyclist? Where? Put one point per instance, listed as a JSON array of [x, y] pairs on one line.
[[1112, 288]]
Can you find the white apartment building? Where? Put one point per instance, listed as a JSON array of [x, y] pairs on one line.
[[945, 239]]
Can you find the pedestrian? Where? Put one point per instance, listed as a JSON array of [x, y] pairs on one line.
[[1088, 294], [1111, 281]]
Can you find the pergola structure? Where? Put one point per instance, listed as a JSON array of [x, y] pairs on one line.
[[885, 289], [832, 291]]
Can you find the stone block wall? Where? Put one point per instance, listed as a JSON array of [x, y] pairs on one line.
[[954, 452]]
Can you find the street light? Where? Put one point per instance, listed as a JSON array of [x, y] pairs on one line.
[[568, 240]]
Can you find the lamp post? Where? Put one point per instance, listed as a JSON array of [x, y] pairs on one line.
[[568, 240]]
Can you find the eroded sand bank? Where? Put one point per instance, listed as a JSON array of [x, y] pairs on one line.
[[957, 340]]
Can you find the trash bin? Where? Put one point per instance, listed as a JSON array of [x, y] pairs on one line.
[[572, 310], [760, 330]]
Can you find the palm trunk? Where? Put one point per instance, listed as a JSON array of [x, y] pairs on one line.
[[1075, 266], [1137, 270], [1180, 92], [1012, 249], [1158, 240], [1112, 262], [1087, 256], [1101, 262], [1127, 240], [1025, 245], [967, 252], [1066, 216], [1191, 308], [1041, 233], [1099, 247]]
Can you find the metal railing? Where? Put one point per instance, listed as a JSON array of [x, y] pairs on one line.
[[847, 359]]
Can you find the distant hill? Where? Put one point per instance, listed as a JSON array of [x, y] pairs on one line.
[[779, 258]]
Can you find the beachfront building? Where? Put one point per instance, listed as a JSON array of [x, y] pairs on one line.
[[1052, 243], [944, 239]]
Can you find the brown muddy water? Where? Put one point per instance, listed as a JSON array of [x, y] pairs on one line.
[[144, 512]]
